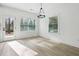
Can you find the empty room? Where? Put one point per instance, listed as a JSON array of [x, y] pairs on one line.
[[39, 29]]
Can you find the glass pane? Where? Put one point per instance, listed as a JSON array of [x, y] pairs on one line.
[[24, 25], [9, 25], [53, 24], [32, 25]]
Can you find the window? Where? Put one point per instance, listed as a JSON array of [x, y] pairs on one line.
[[53, 24], [24, 24], [32, 25], [27, 24]]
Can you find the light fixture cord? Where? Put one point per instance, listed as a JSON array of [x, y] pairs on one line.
[[41, 5], [41, 10]]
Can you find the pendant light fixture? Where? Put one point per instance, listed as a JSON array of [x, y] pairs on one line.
[[41, 13]]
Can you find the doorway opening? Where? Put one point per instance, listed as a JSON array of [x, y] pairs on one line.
[[9, 28]]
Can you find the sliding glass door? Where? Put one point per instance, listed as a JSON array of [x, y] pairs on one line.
[[7, 28]]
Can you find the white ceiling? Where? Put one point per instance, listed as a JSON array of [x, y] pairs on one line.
[[31, 7], [49, 8]]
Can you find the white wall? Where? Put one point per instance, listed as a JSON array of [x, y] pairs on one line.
[[6, 11], [68, 17]]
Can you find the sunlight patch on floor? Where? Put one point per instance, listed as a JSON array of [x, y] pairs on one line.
[[20, 49]]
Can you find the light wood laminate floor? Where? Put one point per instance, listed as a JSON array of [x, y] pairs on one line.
[[42, 47]]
